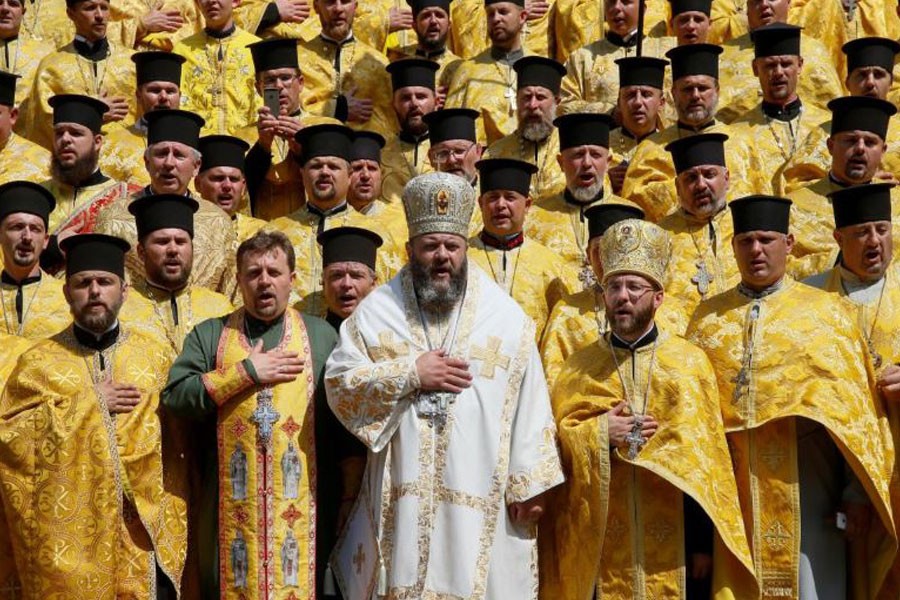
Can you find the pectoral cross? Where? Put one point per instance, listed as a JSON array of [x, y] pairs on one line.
[[510, 95], [586, 275], [876, 357], [702, 279], [265, 416], [851, 9], [634, 439]]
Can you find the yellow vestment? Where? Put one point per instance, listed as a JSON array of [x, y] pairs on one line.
[[362, 74], [88, 510], [11, 347], [78, 208], [67, 72], [618, 522], [281, 192], [218, 81], [765, 398], [21, 56], [468, 29], [23, 159], [549, 179], [578, 320], [402, 158], [122, 155], [533, 275], [578, 23], [45, 311]]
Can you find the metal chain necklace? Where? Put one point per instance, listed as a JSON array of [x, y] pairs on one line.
[[501, 281], [634, 439], [25, 312], [795, 136], [868, 329]]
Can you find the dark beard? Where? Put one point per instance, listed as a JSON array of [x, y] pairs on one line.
[[83, 168], [98, 324], [638, 324], [433, 45], [437, 301]]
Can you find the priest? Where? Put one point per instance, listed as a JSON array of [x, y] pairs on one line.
[[19, 158], [809, 439], [250, 382], [424, 362], [650, 493], [82, 459]]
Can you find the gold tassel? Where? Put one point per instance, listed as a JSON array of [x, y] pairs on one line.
[[328, 587]]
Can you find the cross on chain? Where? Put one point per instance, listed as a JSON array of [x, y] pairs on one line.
[[490, 357], [702, 279], [359, 558], [265, 416], [387, 349], [634, 438]]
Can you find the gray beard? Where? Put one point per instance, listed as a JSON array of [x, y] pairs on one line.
[[435, 300], [586, 194], [537, 132]]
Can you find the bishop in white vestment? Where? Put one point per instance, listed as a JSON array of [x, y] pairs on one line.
[[454, 479]]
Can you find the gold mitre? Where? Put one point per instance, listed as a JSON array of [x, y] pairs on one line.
[[438, 203], [636, 246]]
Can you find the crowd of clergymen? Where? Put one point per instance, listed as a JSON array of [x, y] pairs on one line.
[[495, 299]]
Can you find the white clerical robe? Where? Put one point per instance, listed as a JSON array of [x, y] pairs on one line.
[[432, 519]]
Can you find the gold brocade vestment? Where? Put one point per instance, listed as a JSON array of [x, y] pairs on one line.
[[267, 469], [361, 69], [702, 263], [533, 275], [23, 159], [218, 80], [549, 179], [578, 320], [11, 347], [402, 158], [79, 208], [122, 156], [88, 511], [764, 400], [469, 36], [44, 308], [213, 240], [282, 192], [67, 72], [578, 23], [618, 521], [21, 56]]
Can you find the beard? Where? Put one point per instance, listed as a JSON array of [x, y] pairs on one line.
[[25, 255], [415, 125], [586, 194], [170, 281], [537, 131], [627, 326], [99, 323], [437, 299], [432, 45], [324, 195], [81, 169]]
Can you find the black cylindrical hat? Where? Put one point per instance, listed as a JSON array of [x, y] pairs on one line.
[[157, 66], [8, 88], [75, 108], [222, 151], [642, 70], [506, 174], [276, 53], [861, 113], [776, 39], [539, 71], [163, 211], [419, 5], [326, 139], [861, 204], [696, 150], [451, 124], [412, 72], [367, 145], [603, 215], [26, 197], [349, 244], [683, 6], [761, 213], [583, 129], [871, 52], [174, 125], [95, 252], [695, 59]]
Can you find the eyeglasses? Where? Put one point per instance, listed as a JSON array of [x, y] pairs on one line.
[[634, 290], [271, 81], [443, 156]]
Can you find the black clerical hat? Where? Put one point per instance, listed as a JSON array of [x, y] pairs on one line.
[[695, 59], [539, 71], [95, 252], [222, 151], [8, 88], [349, 244], [505, 174], [641, 70], [760, 213], [274, 54], [605, 214], [174, 125], [861, 204], [163, 211], [419, 5], [861, 113], [683, 6], [325, 140], [696, 150], [412, 72], [519, 2], [451, 124], [26, 197], [871, 52], [776, 39], [583, 129], [83, 110], [157, 66], [367, 145]]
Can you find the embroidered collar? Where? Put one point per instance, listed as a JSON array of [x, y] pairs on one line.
[[505, 243], [756, 295]]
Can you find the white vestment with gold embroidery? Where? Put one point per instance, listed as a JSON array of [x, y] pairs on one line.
[[431, 520]]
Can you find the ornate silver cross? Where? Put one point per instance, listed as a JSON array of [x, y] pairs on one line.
[[265, 416], [702, 279], [635, 439]]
